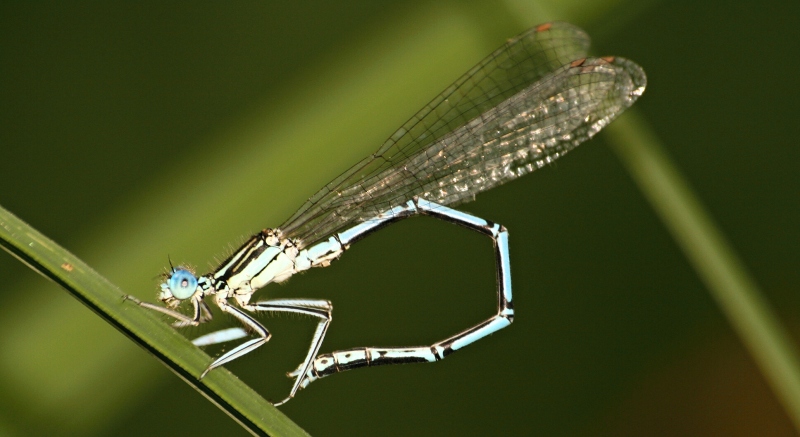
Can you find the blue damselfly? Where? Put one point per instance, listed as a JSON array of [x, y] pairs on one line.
[[525, 105]]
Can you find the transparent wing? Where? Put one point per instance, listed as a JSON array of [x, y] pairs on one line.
[[521, 107]]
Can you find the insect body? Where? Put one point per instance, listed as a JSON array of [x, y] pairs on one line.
[[522, 107]]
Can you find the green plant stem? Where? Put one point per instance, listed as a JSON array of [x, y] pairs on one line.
[[221, 387], [712, 257]]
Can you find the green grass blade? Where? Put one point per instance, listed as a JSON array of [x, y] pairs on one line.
[[221, 387], [712, 257]]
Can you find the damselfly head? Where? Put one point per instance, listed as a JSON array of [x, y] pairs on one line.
[[179, 283]]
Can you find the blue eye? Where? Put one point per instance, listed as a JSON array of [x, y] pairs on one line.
[[182, 284]]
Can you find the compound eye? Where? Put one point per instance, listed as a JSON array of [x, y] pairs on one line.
[[182, 284]]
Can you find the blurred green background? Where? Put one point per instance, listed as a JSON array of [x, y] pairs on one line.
[[133, 132]]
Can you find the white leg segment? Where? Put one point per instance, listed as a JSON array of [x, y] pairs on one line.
[[183, 319], [320, 309], [244, 348], [316, 308], [328, 364], [202, 314], [221, 336]]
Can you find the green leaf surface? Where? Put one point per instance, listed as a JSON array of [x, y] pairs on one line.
[[148, 330]]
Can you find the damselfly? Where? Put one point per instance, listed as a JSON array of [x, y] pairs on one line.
[[525, 105]]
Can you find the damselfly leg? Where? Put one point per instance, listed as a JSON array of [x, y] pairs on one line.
[[320, 309], [202, 313]]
